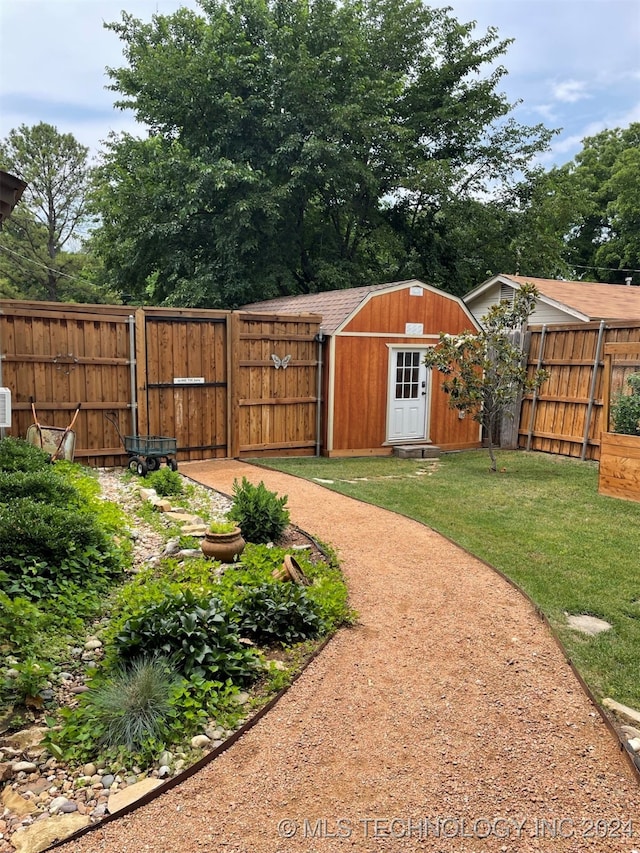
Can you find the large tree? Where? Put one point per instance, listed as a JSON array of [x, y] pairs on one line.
[[602, 183], [296, 145], [39, 245]]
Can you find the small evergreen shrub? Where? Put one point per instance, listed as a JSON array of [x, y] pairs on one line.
[[16, 454], [261, 514], [128, 711], [43, 486], [277, 613], [625, 410], [42, 545]]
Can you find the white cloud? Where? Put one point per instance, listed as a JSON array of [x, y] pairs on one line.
[[569, 146], [547, 112], [570, 91]]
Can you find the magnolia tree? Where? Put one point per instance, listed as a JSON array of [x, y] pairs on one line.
[[485, 372]]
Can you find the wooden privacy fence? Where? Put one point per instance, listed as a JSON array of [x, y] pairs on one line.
[[566, 415], [221, 383]]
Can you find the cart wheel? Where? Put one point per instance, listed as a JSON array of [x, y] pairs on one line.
[[153, 463], [173, 464], [141, 468], [133, 464]]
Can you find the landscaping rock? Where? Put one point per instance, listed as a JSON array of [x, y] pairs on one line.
[[92, 645], [200, 741], [15, 803], [24, 767], [108, 780], [42, 834], [57, 804], [130, 794], [25, 739], [624, 711]]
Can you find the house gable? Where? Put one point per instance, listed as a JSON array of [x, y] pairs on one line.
[[561, 301]]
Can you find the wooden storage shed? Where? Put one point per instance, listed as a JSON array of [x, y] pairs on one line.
[[376, 392]]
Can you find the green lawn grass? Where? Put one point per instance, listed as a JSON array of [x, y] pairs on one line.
[[541, 522]]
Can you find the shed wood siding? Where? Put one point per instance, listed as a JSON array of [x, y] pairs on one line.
[[389, 312], [360, 401], [361, 370], [555, 420]]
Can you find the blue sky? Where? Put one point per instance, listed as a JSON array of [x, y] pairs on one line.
[[575, 64]]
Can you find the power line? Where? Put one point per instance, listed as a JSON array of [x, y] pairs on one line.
[[43, 266], [606, 269]]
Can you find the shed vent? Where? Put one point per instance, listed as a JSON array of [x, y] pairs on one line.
[[5, 407]]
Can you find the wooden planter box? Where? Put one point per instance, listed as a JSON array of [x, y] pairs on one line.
[[619, 475]]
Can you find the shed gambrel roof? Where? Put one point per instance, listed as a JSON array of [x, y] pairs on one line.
[[584, 300], [337, 306]]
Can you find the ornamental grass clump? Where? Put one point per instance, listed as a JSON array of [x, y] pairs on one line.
[[131, 707]]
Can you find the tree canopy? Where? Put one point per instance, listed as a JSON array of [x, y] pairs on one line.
[[594, 205], [299, 145], [39, 256]]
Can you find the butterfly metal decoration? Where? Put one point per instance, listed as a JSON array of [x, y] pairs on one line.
[[280, 362]]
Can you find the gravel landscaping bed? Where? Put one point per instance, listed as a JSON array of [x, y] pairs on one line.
[[37, 787], [447, 720]]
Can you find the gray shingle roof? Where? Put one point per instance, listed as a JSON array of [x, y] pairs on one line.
[[334, 305]]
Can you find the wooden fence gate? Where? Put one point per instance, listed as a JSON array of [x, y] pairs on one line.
[[205, 378]]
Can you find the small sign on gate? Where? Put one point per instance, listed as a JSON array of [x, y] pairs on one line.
[[188, 380]]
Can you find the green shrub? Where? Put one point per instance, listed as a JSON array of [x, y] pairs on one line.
[[328, 592], [277, 613], [197, 700], [45, 486], [31, 679], [18, 455], [159, 709], [20, 622], [165, 481], [625, 410], [194, 631], [261, 514], [42, 544]]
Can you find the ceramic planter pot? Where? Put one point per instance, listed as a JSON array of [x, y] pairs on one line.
[[224, 547]]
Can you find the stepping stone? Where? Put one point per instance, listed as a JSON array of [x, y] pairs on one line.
[[587, 624]]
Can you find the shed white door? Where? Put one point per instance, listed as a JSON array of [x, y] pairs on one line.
[[408, 395]]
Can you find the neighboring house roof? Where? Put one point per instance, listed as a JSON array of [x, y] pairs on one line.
[[584, 300], [11, 189], [335, 306]]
